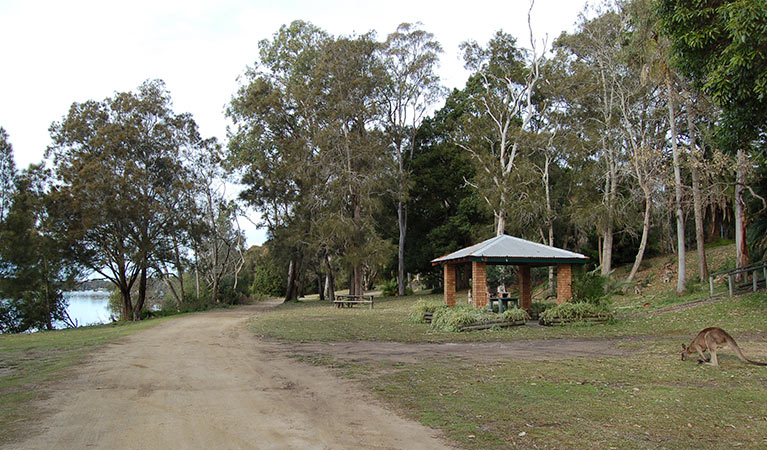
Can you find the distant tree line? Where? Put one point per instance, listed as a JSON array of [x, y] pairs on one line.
[[641, 132]]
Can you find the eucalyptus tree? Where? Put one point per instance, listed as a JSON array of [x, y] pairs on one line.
[[720, 45], [503, 83], [7, 173], [119, 175], [412, 85], [276, 116], [593, 54], [34, 265], [356, 170]]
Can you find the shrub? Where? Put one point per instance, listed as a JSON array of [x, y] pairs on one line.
[[452, 319], [267, 281], [389, 288], [536, 308], [515, 314], [574, 311], [589, 287], [420, 307]]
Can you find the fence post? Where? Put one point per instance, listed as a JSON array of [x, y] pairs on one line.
[[753, 279], [711, 286], [729, 281]]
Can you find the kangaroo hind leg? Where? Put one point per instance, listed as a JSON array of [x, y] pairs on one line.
[[711, 350]]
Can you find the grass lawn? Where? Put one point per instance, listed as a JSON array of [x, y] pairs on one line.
[[647, 398], [29, 361]]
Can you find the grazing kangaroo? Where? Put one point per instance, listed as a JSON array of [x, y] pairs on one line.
[[713, 339]]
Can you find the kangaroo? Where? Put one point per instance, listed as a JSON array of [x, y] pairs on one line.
[[713, 339]]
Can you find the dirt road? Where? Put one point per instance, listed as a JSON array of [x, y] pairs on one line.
[[204, 382]]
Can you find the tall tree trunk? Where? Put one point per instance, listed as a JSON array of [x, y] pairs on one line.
[[402, 221], [330, 283], [141, 295], [607, 249], [611, 185], [645, 233], [680, 250], [697, 201], [741, 251], [500, 223], [290, 289]]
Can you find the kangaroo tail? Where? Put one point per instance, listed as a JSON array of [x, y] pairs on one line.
[[737, 351]]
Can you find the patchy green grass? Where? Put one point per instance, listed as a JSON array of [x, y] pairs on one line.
[[28, 361], [320, 321], [647, 399]]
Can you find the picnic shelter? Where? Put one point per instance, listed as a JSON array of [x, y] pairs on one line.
[[513, 251]]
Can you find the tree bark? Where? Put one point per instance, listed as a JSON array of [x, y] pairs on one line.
[[741, 251], [700, 239], [141, 295], [290, 289], [681, 266], [330, 284], [643, 241], [402, 220], [607, 237]]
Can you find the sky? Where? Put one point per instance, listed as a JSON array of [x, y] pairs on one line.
[[58, 52]]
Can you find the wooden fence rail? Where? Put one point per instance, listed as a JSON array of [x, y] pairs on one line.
[[754, 269]]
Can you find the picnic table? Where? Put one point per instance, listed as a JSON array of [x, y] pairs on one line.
[[347, 301], [503, 303]]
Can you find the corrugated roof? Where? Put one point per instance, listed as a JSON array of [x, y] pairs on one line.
[[510, 249]]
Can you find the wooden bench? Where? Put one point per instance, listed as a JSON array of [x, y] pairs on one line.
[[348, 301]]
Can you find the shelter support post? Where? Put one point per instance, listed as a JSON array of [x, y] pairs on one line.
[[564, 283], [479, 284], [449, 284], [525, 291]]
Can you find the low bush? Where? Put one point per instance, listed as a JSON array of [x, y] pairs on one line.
[[590, 287], [420, 307], [536, 308], [389, 288], [453, 319], [575, 311]]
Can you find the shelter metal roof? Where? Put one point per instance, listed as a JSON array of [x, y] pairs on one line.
[[505, 249]]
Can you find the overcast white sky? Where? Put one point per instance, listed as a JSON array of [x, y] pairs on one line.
[[55, 53]]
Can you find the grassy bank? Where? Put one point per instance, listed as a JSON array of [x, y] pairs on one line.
[[318, 321], [29, 361], [646, 399], [650, 400]]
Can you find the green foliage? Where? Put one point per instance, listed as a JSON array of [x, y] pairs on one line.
[[267, 280], [452, 319], [126, 210], [589, 287], [34, 262], [514, 315], [7, 173], [575, 311], [536, 308], [721, 46], [389, 288], [422, 306]]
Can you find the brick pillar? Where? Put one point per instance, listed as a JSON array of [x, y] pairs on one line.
[[479, 284], [525, 294], [564, 283], [449, 283]]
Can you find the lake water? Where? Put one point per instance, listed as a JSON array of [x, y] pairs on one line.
[[88, 307]]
